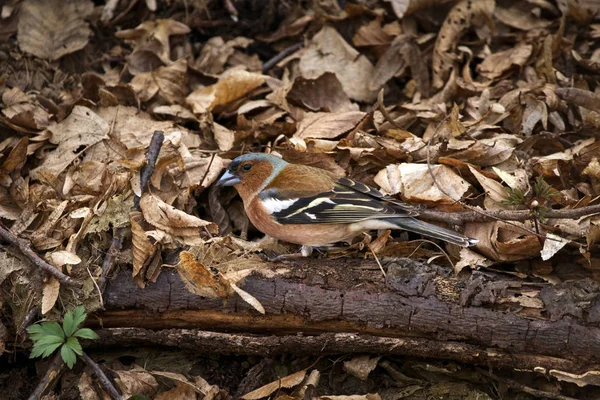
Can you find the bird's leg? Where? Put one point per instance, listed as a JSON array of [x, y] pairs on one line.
[[305, 251]]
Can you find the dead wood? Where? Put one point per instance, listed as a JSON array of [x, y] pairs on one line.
[[350, 307]]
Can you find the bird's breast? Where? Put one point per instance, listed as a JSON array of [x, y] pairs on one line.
[[305, 234]]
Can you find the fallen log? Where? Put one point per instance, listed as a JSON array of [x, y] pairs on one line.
[[348, 306]]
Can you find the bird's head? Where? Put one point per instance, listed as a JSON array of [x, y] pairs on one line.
[[251, 172]]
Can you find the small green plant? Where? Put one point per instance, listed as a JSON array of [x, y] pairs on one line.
[[49, 336], [538, 201]]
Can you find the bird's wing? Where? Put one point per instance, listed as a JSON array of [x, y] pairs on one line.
[[347, 202]]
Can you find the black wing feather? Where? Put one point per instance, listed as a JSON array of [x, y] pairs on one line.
[[348, 202]]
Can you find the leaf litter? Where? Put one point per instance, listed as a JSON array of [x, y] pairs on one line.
[[487, 106]]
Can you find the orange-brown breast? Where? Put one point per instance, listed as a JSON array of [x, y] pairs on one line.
[[304, 234]]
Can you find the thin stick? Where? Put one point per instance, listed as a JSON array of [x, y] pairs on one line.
[[102, 378], [54, 371], [151, 157], [281, 55], [31, 314], [108, 263], [37, 260]]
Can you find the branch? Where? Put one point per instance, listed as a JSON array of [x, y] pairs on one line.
[[151, 156], [326, 343], [37, 260], [102, 378], [281, 55], [508, 215], [52, 373]]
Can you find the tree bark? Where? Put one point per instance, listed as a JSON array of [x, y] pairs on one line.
[[348, 306]]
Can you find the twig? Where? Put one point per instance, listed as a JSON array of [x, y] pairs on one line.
[[212, 158], [102, 378], [31, 315], [525, 389], [507, 215], [281, 55], [54, 370], [151, 157], [107, 264], [37, 260], [384, 112]]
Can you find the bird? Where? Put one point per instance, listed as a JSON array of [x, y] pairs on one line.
[[311, 207]]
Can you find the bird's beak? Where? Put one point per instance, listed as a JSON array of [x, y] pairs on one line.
[[228, 179]]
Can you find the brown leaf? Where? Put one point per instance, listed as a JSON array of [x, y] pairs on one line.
[[17, 156], [416, 184], [361, 366], [461, 17], [322, 94], [328, 125], [179, 392], [153, 36], [329, 52], [51, 29], [167, 218], [170, 81], [497, 64], [199, 280], [268, 389], [232, 85], [136, 381], [50, 294], [71, 141], [143, 249], [501, 241]]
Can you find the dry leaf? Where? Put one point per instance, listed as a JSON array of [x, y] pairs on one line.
[[248, 298], [461, 17], [179, 392], [552, 245], [167, 218], [329, 52], [232, 85], [268, 389], [361, 366], [154, 36], [416, 184], [86, 387], [497, 64], [327, 125], [324, 93], [136, 381], [198, 279], [51, 29], [82, 128], [492, 188], [143, 249], [50, 294], [469, 258]]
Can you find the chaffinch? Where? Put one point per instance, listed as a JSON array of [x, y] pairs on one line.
[[309, 206]]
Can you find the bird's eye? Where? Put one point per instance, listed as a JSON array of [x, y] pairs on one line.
[[247, 167]]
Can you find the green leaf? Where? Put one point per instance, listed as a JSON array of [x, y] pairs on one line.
[[53, 328], [43, 350], [45, 346], [36, 331], [74, 345], [68, 356], [86, 333], [73, 319], [50, 349]]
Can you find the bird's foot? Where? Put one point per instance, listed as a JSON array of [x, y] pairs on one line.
[[287, 259]]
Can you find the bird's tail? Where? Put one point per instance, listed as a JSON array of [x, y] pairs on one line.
[[433, 231]]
